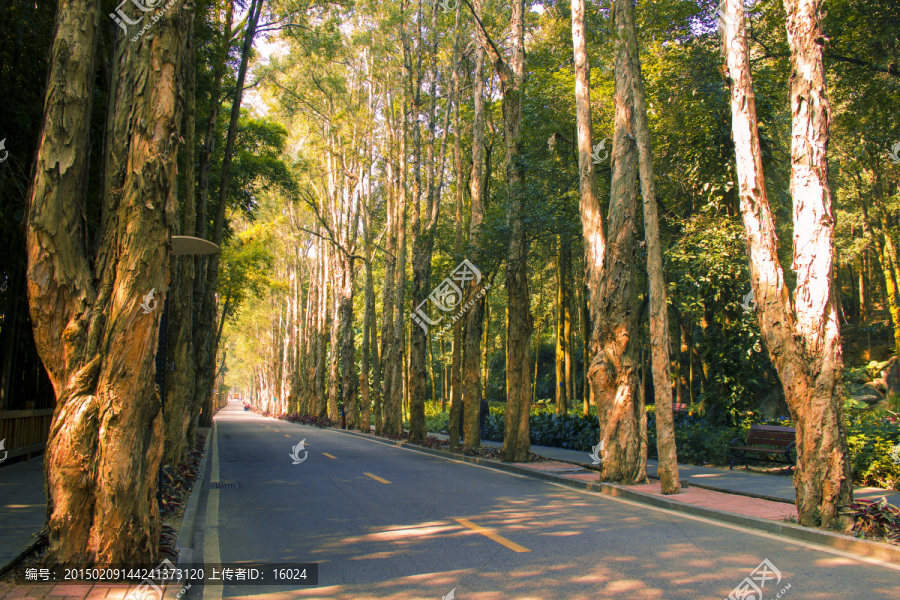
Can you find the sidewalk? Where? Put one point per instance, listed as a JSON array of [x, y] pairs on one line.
[[23, 507], [778, 488], [741, 481], [744, 492]]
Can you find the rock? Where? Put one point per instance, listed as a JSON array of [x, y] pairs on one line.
[[891, 376], [873, 388], [870, 399]]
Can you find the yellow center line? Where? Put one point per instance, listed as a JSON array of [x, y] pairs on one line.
[[489, 533], [377, 478], [286, 435], [329, 456]]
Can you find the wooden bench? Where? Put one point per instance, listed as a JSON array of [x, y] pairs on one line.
[[769, 440]]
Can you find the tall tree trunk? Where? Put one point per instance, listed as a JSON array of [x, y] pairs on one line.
[[334, 348], [369, 351], [456, 359], [659, 318], [567, 326], [384, 368], [537, 337], [585, 350], [614, 292], [863, 291], [180, 353], [472, 388], [348, 350], [516, 442], [201, 344], [105, 441], [888, 253], [321, 400], [562, 325], [393, 419], [803, 336], [591, 208], [423, 239]]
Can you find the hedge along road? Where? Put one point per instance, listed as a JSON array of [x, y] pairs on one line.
[[390, 523]]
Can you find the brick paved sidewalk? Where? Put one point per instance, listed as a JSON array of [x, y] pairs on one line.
[[734, 503], [71, 591]]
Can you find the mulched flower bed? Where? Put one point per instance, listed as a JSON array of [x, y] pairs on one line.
[[176, 484]]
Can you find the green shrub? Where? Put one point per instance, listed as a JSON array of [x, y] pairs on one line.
[[871, 436], [697, 441], [870, 439], [571, 431]]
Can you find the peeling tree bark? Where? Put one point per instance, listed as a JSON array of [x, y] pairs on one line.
[[98, 345], [659, 317], [803, 336], [615, 302]]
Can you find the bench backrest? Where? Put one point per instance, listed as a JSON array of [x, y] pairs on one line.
[[771, 435]]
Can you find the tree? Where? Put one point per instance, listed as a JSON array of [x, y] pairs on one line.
[[801, 334], [423, 233], [179, 384], [516, 441], [614, 301], [96, 341], [563, 325], [474, 327], [659, 317], [590, 207]]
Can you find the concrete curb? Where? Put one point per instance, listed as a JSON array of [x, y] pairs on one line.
[[846, 543], [687, 484], [185, 541]]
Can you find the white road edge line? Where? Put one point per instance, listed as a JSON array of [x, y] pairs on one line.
[[211, 528]]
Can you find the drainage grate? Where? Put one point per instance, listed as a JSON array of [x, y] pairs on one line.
[[224, 484]]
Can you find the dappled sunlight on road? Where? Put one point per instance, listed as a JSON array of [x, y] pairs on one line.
[[611, 573], [568, 581], [491, 538]]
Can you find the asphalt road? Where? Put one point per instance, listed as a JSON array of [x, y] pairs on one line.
[[384, 522]]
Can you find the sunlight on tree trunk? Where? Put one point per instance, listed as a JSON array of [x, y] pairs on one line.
[[614, 295], [802, 336], [516, 442], [97, 344], [659, 317]]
